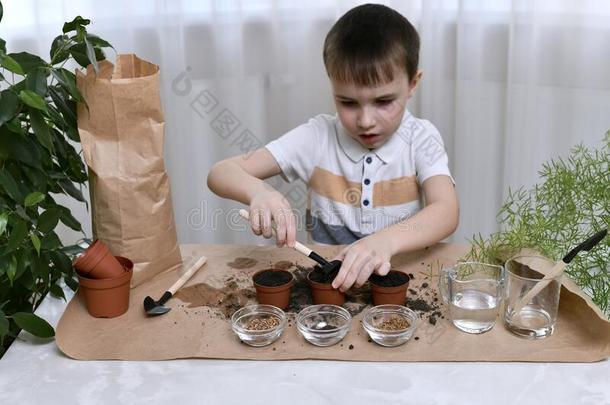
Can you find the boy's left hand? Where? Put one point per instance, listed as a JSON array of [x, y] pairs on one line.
[[361, 259]]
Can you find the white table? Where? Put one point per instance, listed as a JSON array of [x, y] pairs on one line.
[[36, 372]]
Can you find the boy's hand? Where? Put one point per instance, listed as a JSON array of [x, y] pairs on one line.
[[268, 206], [361, 259]]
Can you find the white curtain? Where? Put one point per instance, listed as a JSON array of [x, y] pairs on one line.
[[509, 84]]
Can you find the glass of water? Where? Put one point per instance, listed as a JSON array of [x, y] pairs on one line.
[[474, 292], [535, 318]]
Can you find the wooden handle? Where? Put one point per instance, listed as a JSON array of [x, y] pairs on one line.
[[297, 246], [186, 276], [554, 272]]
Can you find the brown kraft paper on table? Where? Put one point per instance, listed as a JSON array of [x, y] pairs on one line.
[[122, 132], [582, 333]]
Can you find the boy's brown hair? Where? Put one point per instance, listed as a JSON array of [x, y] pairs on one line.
[[367, 43]]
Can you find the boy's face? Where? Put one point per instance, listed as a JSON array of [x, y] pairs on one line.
[[371, 115]]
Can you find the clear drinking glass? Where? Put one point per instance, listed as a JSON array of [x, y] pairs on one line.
[[474, 292], [537, 317]]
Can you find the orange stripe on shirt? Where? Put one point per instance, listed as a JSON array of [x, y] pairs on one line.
[[335, 187], [400, 190]]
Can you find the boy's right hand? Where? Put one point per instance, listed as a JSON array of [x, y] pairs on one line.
[[270, 206]]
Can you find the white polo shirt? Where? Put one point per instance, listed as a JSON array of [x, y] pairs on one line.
[[353, 191]]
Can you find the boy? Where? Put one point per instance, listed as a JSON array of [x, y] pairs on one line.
[[365, 166]]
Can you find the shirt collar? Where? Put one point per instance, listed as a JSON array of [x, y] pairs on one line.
[[355, 151]]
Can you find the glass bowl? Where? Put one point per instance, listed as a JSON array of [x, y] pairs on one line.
[[323, 325], [250, 324], [380, 323]]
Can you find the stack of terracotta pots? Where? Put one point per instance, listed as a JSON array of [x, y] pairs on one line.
[[104, 280]]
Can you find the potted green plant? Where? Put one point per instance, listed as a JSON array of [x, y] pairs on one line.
[[571, 202], [38, 130]]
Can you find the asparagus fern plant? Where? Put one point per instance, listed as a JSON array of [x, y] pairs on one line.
[[571, 202]]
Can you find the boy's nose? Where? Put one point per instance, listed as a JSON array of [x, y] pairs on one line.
[[365, 120]]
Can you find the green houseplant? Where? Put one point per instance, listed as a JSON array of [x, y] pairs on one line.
[[38, 129], [571, 202]]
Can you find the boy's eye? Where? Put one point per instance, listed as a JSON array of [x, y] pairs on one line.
[[385, 101], [347, 103]]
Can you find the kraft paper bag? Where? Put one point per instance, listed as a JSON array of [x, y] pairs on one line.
[[122, 133]]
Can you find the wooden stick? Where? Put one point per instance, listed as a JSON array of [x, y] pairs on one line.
[[297, 246], [554, 272], [186, 276]]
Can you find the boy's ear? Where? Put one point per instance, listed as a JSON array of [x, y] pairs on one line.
[[414, 82]]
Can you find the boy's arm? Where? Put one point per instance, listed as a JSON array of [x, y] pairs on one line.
[[240, 178], [437, 220]]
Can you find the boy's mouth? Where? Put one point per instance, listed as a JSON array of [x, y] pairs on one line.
[[369, 138]]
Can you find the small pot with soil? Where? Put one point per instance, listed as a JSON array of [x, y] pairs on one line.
[[322, 291], [389, 289], [109, 297], [97, 262], [273, 287]]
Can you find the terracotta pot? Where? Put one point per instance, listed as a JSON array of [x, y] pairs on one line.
[[390, 295], [107, 298], [325, 293], [278, 296], [97, 262]]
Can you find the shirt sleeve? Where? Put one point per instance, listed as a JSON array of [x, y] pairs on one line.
[[296, 152], [430, 156]]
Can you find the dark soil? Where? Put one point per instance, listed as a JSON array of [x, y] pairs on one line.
[[419, 305], [272, 278], [393, 279], [320, 276]]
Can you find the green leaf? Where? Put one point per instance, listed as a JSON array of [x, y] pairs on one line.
[[41, 129], [4, 325], [71, 282], [68, 219], [27, 61], [3, 222], [61, 261], [68, 82], [2, 43], [9, 185], [59, 49], [47, 221], [19, 148], [33, 198], [17, 234], [12, 269], [79, 53], [72, 191], [10, 64], [14, 125], [33, 324], [50, 241], [98, 42], [91, 55], [57, 292], [33, 100], [8, 105], [77, 22], [36, 81], [35, 243]]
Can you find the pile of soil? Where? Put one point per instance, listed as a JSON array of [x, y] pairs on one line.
[[272, 278], [393, 279], [226, 300], [242, 263]]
